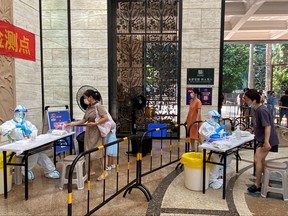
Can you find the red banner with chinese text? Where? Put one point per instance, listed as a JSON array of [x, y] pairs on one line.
[[16, 42]]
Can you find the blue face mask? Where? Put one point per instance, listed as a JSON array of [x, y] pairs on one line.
[[216, 120], [22, 115], [251, 106]]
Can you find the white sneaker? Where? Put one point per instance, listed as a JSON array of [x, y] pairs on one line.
[[108, 168], [54, 175]]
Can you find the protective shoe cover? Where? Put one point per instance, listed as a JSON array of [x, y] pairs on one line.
[[54, 175], [216, 184], [30, 174]]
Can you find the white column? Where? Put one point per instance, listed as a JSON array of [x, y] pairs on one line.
[[251, 73], [268, 83]]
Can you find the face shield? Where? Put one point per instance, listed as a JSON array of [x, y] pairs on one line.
[[20, 113], [213, 116]]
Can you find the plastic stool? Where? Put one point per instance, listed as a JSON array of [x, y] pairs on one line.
[[280, 168], [79, 175]]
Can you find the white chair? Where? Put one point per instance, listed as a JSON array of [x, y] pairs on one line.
[[80, 173], [280, 168]]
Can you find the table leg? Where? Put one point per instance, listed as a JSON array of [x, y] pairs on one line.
[[5, 173], [237, 161], [71, 144], [224, 175], [26, 177], [254, 166], [54, 155], [204, 171]]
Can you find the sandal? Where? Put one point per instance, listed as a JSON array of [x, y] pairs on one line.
[[254, 188], [103, 176]]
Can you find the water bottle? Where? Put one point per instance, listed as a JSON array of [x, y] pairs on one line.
[[238, 133]]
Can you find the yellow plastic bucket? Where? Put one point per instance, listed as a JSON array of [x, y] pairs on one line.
[[9, 174], [194, 160], [193, 172]]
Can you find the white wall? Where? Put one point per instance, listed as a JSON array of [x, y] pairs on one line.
[[27, 73], [200, 45]]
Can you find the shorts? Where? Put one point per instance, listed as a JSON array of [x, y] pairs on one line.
[[273, 148]]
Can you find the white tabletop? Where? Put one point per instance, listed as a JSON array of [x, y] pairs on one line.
[[233, 143], [23, 145]]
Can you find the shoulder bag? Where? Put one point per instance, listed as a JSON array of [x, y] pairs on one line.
[[105, 127]]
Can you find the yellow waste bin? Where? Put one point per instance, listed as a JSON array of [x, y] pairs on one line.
[[9, 175], [193, 170]]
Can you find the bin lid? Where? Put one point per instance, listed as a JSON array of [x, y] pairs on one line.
[[194, 160]]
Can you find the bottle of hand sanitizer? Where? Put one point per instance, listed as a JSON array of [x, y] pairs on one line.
[[238, 133]]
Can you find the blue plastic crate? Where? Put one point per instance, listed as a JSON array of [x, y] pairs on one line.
[[159, 133]]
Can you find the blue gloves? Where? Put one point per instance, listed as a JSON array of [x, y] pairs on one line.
[[24, 129], [220, 128], [27, 131], [214, 136], [226, 134]]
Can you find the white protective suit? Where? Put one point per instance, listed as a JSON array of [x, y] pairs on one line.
[[18, 129], [208, 128]]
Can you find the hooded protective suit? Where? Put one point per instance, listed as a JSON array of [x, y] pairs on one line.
[[17, 129], [208, 129]]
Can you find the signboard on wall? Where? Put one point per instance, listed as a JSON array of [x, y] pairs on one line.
[[205, 95], [200, 76], [16, 42]]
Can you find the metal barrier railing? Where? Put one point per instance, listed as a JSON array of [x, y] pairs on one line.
[[169, 152], [243, 114]]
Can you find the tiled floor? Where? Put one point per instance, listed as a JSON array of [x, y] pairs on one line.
[[170, 197]]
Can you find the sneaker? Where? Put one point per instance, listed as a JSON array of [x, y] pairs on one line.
[[54, 175], [254, 189], [103, 176], [113, 166], [108, 168]]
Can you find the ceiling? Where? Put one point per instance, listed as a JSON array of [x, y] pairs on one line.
[[256, 20]]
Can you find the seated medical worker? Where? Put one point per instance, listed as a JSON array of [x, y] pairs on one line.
[[211, 129], [19, 128]]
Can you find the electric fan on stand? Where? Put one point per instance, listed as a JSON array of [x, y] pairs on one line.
[[138, 103], [80, 97]]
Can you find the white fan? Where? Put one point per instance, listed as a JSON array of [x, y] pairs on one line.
[[80, 97]]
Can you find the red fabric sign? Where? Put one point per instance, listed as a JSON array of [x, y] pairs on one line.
[[16, 42]]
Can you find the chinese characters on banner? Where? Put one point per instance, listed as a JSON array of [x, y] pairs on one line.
[[16, 42]]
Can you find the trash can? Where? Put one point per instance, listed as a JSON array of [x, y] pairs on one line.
[[9, 175], [193, 170]]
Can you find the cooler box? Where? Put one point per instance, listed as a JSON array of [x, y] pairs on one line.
[[159, 133]]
